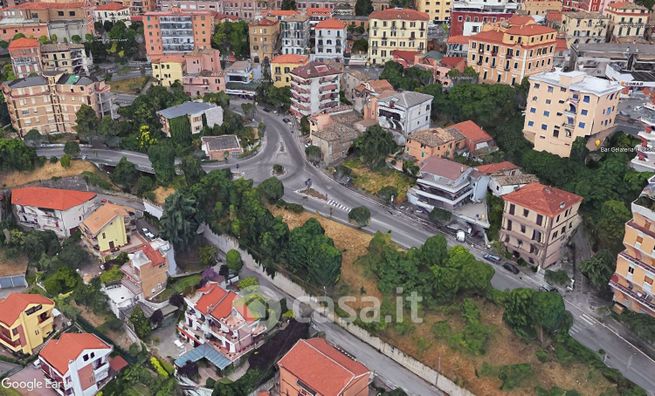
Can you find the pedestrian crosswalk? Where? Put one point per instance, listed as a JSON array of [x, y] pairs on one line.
[[338, 205], [585, 321]]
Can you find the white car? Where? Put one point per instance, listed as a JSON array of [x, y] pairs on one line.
[[147, 233]]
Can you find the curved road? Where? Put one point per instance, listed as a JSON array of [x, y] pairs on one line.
[[282, 146]]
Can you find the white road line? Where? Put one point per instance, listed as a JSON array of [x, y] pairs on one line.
[[587, 320]]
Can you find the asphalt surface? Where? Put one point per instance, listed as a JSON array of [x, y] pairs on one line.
[[282, 145]]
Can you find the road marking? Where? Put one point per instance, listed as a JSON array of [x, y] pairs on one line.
[[338, 205], [589, 319], [574, 329]]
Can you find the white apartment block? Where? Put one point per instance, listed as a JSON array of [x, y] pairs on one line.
[[330, 40]]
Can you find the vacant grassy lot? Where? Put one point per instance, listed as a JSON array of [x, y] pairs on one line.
[[178, 285], [130, 85], [437, 350], [47, 172], [372, 181], [161, 193]]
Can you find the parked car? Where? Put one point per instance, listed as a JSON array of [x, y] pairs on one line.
[[492, 258], [147, 233], [511, 268], [549, 288]]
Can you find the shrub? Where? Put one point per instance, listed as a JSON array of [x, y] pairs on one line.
[[559, 277], [513, 375], [290, 206], [387, 193], [360, 215], [233, 260], [278, 169], [65, 161], [154, 362], [248, 282]]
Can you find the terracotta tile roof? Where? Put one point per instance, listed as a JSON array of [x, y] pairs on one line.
[[380, 85], [319, 11], [434, 137], [102, 216], [117, 363], [290, 58], [283, 12], [490, 169], [530, 30], [49, 198], [15, 303], [111, 7], [443, 167], [458, 40], [543, 199], [215, 300], [493, 36], [451, 61], [554, 16], [520, 20], [330, 24], [315, 69], [58, 353], [264, 22], [49, 5], [399, 13], [153, 255], [170, 58], [626, 5], [23, 42], [472, 131], [560, 44], [407, 56], [322, 367]]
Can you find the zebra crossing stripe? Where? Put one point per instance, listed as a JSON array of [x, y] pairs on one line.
[[338, 205]]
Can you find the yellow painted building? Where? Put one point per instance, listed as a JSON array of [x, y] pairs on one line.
[[26, 321], [632, 282], [438, 10], [168, 69], [396, 29], [282, 65], [104, 230], [540, 7]]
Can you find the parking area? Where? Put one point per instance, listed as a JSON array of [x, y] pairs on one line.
[[32, 376]]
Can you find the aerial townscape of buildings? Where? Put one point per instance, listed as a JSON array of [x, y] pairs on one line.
[[190, 189]]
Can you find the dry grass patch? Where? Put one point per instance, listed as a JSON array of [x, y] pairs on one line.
[[161, 193], [12, 266], [373, 181], [130, 85], [46, 172]]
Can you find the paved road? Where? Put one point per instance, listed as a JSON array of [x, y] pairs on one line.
[[283, 147]]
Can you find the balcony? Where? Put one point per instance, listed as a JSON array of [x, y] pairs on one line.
[[644, 299]]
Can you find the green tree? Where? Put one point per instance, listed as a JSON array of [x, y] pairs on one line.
[[180, 128], [162, 157], [440, 216], [72, 149], [388, 193], [313, 154], [192, 169], [271, 189], [125, 174], [65, 161], [361, 216], [248, 110], [76, 39], [312, 253], [549, 314], [208, 255], [360, 46], [86, 122], [15, 155], [33, 138], [363, 7], [598, 269], [304, 125], [63, 280], [610, 225], [232, 37], [233, 260], [289, 5], [406, 79], [646, 3], [178, 222], [374, 146], [7, 73], [217, 98], [141, 324]]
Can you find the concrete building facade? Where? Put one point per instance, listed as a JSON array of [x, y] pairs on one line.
[[393, 29]]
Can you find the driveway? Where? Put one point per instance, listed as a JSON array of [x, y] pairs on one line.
[[32, 376]]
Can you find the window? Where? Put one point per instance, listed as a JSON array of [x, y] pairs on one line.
[[586, 99], [526, 212], [546, 113], [540, 219], [511, 209], [509, 225], [631, 270], [581, 124], [544, 127], [550, 89], [584, 112], [522, 229], [548, 101], [533, 110], [530, 123]]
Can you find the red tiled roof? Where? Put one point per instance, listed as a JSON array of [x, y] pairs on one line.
[[290, 58], [283, 12], [406, 55], [15, 303], [560, 44], [458, 40], [493, 36], [399, 13], [319, 11], [111, 7], [472, 131], [520, 20], [451, 61], [58, 353], [49, 5], [264, 22], [215, 300], [543, 199], [322, 367], [554, 16], [153, 255], [530, 30], [490, 169], [117, 363], [331, 24], [380, 86], [625, 5], [23, 42], [49, 198], [443, 167]]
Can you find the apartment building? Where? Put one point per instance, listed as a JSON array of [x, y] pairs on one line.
[[282, 65], [405, 112], [539, 7], [78, 362], [26, 321], [563, 106], [587, 5], [445, 184], [49, 102], [177, 31], [140, 7], [263, 35], [222, 320], [505, 53], [632, 281], [315, 367], [538, 221], [199, 71], [335, 131], [644, 161], [10, 27], [201, 5], [457, 47], [468, 16], [434, 142], [64, 20], [294, 33], [582, 27], [330, 42], [112, 12], [198, 114], [107, 228], [627, 21], [393, 29], [247, 9], [43, 208], [25, 56], [66, 57], [146, 272], [438, 10], [477, 140], [314, 88]]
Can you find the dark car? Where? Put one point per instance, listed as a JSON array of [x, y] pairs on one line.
[[492, 258], [286, 120], [511, 268]]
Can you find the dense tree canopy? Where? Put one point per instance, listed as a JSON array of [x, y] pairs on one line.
[[405, 79], [374, 146], [162, 157], [232, 37], [312, 253], [15, 155], [363, 7]]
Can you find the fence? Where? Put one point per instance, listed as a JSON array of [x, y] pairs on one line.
[[291, 288]]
